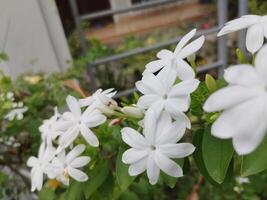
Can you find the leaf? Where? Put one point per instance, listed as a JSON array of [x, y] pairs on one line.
[[198, 156], [4, 56], [256, 161], [123, 178], [129, 196], [217, 155], [75, 191], [96, 178], [46, 194]]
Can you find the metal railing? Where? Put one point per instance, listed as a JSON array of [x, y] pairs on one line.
[[222, 14]]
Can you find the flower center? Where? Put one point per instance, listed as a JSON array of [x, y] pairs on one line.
[[165, 96], [65, 173], [152, 148]]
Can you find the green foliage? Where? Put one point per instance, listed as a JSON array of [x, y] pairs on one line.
[[256, 161], [258, 7], [217, 155]]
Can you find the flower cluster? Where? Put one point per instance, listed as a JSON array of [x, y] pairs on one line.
[[62, 130], [166, 87], [16, 110]]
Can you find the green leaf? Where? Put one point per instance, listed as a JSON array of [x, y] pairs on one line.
[[123, 178], [4, 56], [129, 196], [75, 191], [256, 161], [217, 155], [210, 83], [241, 56], [46, 194], [198, 156], [98, 176]]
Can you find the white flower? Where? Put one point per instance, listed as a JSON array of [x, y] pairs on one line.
[[66, 166], [47, 128], [175, 60], [40, 166], [16, 113], [244, 105], [161, 93], [102, 100], [75, 122], [257, 30], [153, 150]]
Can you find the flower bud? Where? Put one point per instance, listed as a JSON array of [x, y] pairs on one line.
[[106, 104], [210, 83], [133, 112]]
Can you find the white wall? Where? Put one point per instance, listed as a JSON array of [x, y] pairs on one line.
[[32, 35]]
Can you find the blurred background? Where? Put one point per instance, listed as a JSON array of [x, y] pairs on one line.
[[50, 48]]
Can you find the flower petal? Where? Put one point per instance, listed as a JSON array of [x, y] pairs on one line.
[[73, 105], [240, 119], [67, 138], [238, 24], [244, 75], [261, 63], [164, 54], [178, 104], [184, 88], [76, 151], [167, 165], [93, 120], [184, 70], [254, 38], [184, 41], [32, 161], [137, 167], [36, 178], [153, 170], [150, 121], [192, 47], [76, 174], [133, 138], [171, 135], [147, 100], [228, 97], [80, 161], [89, 136], [133, 155], [152, 83], [155, 66], [180, 150]]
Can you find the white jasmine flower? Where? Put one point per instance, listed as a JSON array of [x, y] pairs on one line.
[[257, 30], [175, 60], [16, 113], [66, 166], [75, 122], [160, 93], [40, 166], [102, 100], [153, 150], [49, 133], [244, 105]]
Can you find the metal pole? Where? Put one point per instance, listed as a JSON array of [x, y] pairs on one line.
[[242, 10], [77, 22], [222, 12]]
